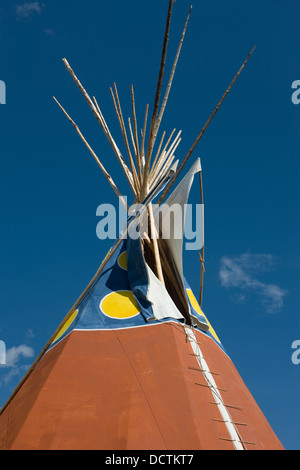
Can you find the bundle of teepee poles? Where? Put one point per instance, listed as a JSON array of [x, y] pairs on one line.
[[142, 171]]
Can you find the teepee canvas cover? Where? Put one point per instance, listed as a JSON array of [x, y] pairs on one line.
[[113, 380], [136, 363]]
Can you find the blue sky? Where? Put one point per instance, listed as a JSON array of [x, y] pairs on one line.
[[51, 187]]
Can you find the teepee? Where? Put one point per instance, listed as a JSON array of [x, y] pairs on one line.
[[136, 364]]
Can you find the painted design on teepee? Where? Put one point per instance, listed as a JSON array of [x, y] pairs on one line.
[[122, 260], [120, 305], [196, 306], [66, 326]]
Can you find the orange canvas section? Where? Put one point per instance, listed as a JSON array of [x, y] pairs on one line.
[[251, 422], [131, 389]]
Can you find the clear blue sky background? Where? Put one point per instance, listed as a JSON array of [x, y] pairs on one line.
[[50, 186]]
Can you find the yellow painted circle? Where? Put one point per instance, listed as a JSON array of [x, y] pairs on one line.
[[122, 260], [120, 305]]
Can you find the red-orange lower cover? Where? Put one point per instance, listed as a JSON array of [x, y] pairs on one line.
[[131, 389]]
